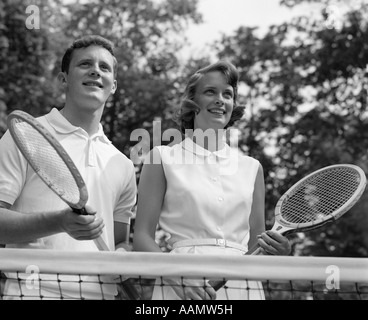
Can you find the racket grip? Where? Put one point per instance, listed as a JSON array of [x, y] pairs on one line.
[[217, 284], [81, 211]]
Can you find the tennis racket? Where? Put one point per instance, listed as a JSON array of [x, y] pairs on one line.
[[321, 197], [51, 162]]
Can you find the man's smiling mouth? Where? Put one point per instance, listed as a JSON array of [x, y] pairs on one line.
[[92, 84]]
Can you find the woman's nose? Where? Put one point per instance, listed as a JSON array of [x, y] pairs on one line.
[[219, 100]]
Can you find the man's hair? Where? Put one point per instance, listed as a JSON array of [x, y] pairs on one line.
[[189, 109], [84, 42]]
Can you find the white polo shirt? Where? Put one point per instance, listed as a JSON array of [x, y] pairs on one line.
[[109, 176]]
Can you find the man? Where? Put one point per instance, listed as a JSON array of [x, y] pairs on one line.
[[31, 215]]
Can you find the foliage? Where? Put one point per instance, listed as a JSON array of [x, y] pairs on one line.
[[147, 34], [306, 91], [304, 84], [25, 55]]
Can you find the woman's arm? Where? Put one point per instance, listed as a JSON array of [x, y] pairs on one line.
[[271, 242], [257, 216], [151, 193]]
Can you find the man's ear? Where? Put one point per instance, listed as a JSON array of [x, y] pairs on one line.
[[113, 89], [62, 78]]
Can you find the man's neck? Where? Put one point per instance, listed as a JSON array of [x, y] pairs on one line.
[[83, 118]]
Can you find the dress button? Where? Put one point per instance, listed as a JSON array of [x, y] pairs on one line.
[[211, 159]]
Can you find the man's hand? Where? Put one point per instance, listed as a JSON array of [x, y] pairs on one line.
[[81, 227]]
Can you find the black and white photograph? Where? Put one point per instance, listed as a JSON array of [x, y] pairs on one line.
[[183, 155]]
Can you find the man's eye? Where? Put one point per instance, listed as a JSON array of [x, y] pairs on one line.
[[210, 91]]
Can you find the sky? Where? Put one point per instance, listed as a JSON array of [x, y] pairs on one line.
[[225, 16]]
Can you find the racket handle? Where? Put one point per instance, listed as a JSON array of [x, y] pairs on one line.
[[256, 249], [217, 284], [81, 211], [130, 291], [99, 242]]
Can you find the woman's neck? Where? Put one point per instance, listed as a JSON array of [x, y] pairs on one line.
[[211, 140]]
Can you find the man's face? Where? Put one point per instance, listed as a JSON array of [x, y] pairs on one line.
[[90, 79]]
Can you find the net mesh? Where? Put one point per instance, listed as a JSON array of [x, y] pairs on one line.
[[46, 161], [46, 274], [321, 195]]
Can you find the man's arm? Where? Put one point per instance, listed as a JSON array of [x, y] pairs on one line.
[[17, 227]]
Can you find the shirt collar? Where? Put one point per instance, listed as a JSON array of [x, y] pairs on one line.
[[189, 145], [63, 126]]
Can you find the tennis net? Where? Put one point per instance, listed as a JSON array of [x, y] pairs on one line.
[[48, 274]]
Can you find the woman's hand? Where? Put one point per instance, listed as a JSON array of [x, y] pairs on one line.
[[190, 289], [274, 243]]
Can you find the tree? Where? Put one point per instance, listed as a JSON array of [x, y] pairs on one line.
[[147, 35], [26, 56], [306, 90]]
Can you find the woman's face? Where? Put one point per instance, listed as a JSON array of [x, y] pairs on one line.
[[215, 98]]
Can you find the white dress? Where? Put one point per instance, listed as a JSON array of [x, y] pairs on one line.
[[208, 196]]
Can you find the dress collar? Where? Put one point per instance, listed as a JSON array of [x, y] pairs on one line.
[[189, 145]]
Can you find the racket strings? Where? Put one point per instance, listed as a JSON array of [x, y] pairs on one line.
[[45, 160], [321, 195]]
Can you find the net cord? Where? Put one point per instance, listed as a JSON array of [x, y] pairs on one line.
[[146, 264]]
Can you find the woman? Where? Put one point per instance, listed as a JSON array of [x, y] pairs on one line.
[[208, 197]]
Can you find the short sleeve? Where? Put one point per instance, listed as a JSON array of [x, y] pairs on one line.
[[123, 211], [13, 169]]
